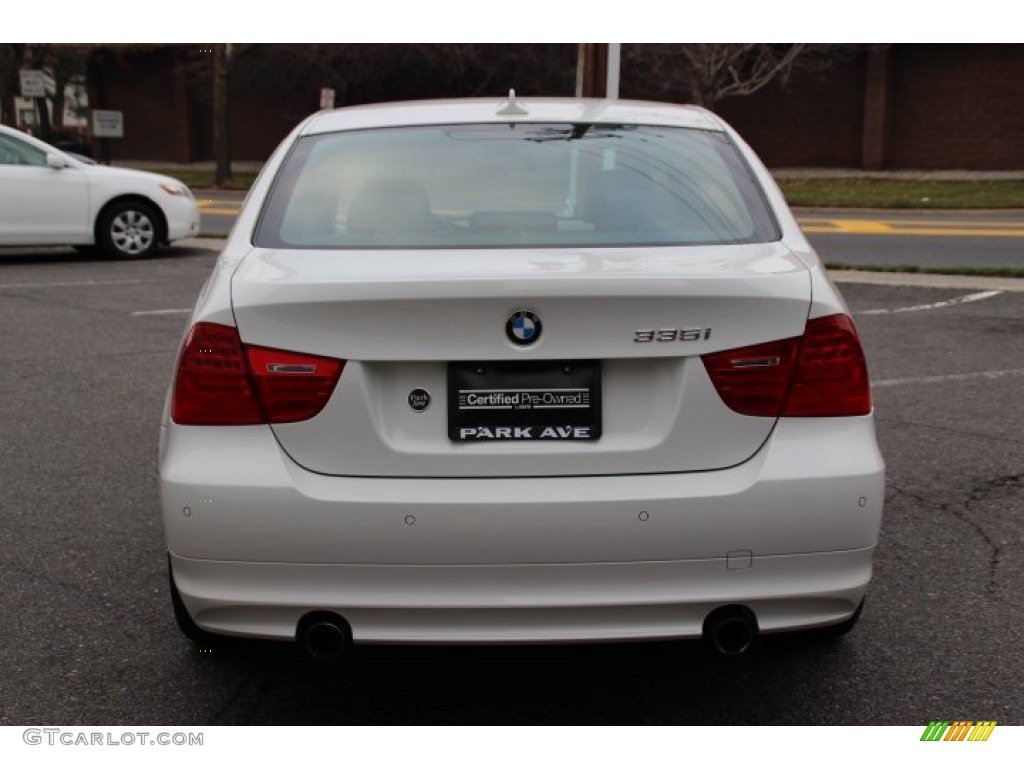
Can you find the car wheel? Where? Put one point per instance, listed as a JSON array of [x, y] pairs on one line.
[[188, 627], [129, 230]]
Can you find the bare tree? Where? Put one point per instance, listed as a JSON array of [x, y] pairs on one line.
[[710, 72]]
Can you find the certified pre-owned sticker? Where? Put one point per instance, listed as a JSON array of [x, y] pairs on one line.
[[523, 399]]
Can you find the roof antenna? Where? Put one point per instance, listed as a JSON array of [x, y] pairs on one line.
[[512, 107]]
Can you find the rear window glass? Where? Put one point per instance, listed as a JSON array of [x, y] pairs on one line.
[[514, 185]]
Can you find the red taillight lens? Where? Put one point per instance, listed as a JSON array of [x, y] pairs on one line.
[[292, 386], [212, 385], [754, 380], [220, 381], [832, 376], [821, 374]]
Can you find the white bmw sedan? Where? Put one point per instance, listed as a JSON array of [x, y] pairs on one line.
[[538, 370], [48, 197]]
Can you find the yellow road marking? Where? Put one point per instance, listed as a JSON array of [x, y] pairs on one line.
[[219, 211], [913, 227], [860, 227], [234, 206]]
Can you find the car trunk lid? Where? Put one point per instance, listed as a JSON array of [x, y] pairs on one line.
[[413, 324]]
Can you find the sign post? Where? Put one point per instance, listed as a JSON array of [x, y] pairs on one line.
[[107, 124]]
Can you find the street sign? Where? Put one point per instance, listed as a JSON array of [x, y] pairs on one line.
[[33, 83], [108, 124], [326, 98]]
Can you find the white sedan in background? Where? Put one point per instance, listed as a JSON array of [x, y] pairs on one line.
[[48, 197], [523, 371]]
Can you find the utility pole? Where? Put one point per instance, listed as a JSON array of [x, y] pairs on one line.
[[221, 141], [597, 70], [611, 88]]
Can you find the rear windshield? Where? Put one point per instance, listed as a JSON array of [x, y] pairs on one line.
[[514, 185]]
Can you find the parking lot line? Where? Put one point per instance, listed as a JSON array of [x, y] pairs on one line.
[[934, 305], [947, 377], [160, 312], [75, 283]]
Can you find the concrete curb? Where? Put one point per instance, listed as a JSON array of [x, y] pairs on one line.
[[202, 243], [918, 280]]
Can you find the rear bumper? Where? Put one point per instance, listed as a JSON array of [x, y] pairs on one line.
[[521, 603], [256, 542]]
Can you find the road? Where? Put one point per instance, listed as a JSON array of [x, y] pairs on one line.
[[921, 238], [889, 238], [88, 636]]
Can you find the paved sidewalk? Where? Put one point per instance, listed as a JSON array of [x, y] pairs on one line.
[[919, 280]]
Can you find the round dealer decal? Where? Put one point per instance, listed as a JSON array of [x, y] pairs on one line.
[[419, 399]]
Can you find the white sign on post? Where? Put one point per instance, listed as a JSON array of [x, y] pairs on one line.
[[108, 124], [326, 98], [33, 83]]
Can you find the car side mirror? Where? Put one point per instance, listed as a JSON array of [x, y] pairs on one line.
[[56, 161]]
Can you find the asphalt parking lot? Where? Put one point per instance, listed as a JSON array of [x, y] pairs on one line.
[[87, 353]]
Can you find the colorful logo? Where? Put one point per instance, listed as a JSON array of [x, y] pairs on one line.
[[958, 730]]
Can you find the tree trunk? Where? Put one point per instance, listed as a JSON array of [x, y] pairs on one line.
[[43, 109], [10, 63], [221, 144], [60, 83]]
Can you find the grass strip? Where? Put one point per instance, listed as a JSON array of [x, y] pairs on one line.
[[1017, 272], [902, 193]]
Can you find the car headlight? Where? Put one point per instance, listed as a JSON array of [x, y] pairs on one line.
[[178, 190]]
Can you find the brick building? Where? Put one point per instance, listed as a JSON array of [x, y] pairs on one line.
[[913, 106], [903, 107]]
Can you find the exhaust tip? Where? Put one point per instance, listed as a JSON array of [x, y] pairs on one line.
[[731, 629], [324, 636]]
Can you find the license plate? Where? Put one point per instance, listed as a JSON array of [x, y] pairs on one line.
[[524, 401]]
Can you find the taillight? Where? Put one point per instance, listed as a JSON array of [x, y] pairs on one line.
[[212, 385], [832, 376], [221, 381], [292, 386], [754, 380], [821, 374]]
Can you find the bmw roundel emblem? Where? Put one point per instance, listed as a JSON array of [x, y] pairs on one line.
[[523, 328]]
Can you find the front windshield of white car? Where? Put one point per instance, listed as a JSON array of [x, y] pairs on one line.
[[16, 152], [514, 185]]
